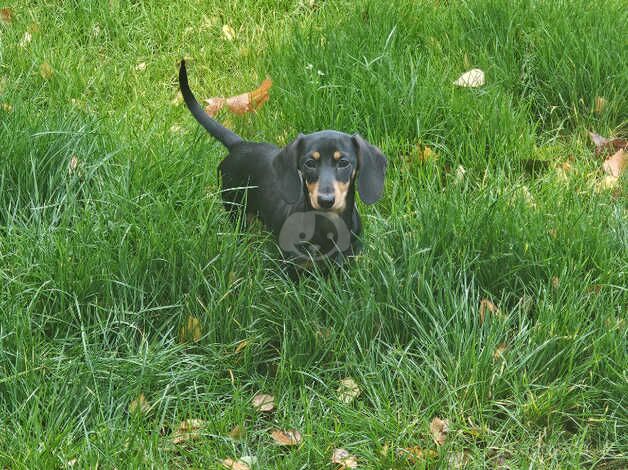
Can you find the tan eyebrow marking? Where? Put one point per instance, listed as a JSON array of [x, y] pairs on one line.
[[337, 155], [316, 155]]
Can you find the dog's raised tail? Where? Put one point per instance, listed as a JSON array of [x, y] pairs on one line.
[[220, 132]]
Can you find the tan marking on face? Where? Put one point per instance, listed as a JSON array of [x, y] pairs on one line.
[[312, 189], [337, 155], [340, 194], [316, 155]]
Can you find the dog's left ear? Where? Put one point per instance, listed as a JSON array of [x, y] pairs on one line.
[[371, 170], [285, 165]]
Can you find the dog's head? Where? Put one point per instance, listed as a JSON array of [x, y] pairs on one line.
[[328, 163]]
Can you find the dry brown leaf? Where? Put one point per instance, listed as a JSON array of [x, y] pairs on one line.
[[600, 104], [500, 350], [472, 79], [487, 305], [262, 402], [290, 437], [343, 458], [191, 330], [235, 464], [228, 32], [615, 165], [139, 405], [188, 430], [415, 454], [439, 429], [237, 432], [348, 390], [6, 15], [45, 70], [240, 104], [602, 144]]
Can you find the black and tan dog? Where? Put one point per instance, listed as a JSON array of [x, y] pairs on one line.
[[305, 192]]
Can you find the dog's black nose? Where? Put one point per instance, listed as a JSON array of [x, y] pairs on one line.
[[326, 200]]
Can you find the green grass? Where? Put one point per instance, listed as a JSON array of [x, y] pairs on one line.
[[101, 267]]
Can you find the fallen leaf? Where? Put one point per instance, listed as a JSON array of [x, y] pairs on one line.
[[472, 79], [262, 402], [487, 305], [243, 103], [6, 15], [176, 129], [45, 70], [228, 32], [291, 437], [33, 28], [500, 350], [188, 430], [191, 330], [141, 66], [73, 165], [416, 454], [426, 154], [460, 172], [615, 165], [343, 458], [139, 405], [71, 463], [555, 282], [458, 459], [26, 39], [235, 464], [600, 104], [237, 433], [348, 390], [6, 107], [602, 144], [214, 105], [439, 429], [241, 345]]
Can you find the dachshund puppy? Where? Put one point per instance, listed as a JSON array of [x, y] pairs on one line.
[[305, 192]]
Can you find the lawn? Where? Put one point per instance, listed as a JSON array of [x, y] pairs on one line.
[[491, 293]]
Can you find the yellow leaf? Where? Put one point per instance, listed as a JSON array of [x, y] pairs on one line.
[[188, 430], [262, 402], [241, 345], [237, 433], [6, 107], [45, 70], [439, 429], [487, 305], [139, 405], [500, 350], [191, 331], [600, 104], [291, 437], [348, 390], [141, 66], [343, 458], [235, 464], [228, 32]]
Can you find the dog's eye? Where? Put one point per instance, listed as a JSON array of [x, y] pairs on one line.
[[310, 164], [343, 163]]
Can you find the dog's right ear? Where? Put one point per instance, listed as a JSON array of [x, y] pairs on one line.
[[285, 165]]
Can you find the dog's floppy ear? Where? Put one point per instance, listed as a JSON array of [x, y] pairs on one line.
[[285, 165], [371, 170]]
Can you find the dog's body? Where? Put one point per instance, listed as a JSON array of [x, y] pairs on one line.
[[305, 190]]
